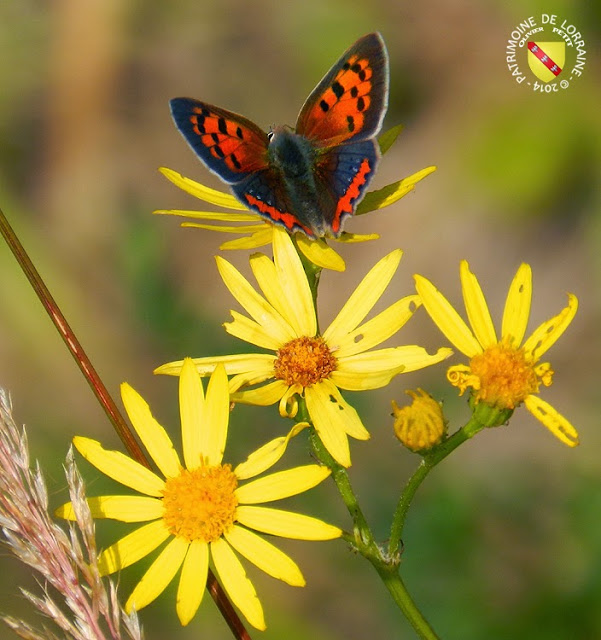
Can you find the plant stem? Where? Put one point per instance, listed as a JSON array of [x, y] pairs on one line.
[[73, 345], [396, 587], [428, 462], [340, 476]]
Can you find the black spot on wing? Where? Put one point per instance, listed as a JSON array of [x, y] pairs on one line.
[[338, 90]]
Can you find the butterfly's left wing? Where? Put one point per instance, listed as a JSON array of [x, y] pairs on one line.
[[350, 102], [229, 144]]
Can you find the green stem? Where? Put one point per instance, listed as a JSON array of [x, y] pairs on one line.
[[362, 532], [396, 587], [428, 462], [363, 541]]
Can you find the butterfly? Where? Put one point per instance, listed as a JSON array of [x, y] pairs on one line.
[[311, 178]]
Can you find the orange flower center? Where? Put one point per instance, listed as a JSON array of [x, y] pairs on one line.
[[501, 376], [304, 361], [200, 504]]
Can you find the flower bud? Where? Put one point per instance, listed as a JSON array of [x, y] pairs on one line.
[[420, 425]]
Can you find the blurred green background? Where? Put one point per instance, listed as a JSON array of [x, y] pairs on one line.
[[504, 539]]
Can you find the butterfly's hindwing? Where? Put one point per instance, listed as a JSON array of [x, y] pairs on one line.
[[229, 144], [350, 101], [265, 193], [346, 171]]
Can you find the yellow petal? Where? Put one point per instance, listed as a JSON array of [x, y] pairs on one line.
[[191, 409], [201, 192], [554, 421], [236, 583], [150, 432], [266, 274], [363, 298], [234, 365], [446, 318], [256, 305], [160, 573], [517, 307], [282, 484], [261, 374], [378, 329], [266, 456], [257, 239], [119, 467], [217, 415], [263, 396], [265, 556], [351, 238], [320, 253], [376, 368], [389, 194], [226, 216], [476, 307], [192, 581], [352, 423], [132, 547], [286, 523], [331, 417], [248, 228], [124, 508], [298, 298], [545, 336]]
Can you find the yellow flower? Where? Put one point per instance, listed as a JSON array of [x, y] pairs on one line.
[[420, 425], [502, 373], [283, 320], [200, 506], [259, 232]]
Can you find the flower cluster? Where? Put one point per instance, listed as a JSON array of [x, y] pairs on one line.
[[200, 508], [205, 513]]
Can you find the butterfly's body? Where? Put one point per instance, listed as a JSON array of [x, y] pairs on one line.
[[311, 178]]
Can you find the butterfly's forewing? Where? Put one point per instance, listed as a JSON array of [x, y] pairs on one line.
[[350, 101], [229, 144]]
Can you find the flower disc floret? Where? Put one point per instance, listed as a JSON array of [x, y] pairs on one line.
[[502, 376], [304, 361], [200, 504]]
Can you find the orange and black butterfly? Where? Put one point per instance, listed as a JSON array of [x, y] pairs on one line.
[[311, 178]]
